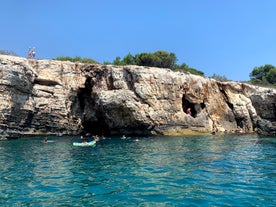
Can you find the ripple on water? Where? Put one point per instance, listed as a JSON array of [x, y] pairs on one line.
[[156, 171]]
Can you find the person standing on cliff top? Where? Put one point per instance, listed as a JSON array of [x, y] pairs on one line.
[[31, 53]]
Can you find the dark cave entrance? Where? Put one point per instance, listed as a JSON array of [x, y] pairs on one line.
[[191, 108], [186, 105], [94, 123], [84, 94], [95, 127]]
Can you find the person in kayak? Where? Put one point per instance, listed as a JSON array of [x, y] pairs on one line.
[[83, 140], [96, 138]]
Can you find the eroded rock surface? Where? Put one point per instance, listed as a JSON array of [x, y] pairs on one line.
[[55, 97]]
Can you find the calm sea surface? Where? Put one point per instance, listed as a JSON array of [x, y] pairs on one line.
[[232, 170]]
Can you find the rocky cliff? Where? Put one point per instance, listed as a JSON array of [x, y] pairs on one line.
[[54, 97]]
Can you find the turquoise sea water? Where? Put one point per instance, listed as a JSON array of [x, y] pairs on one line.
[[232, 170]]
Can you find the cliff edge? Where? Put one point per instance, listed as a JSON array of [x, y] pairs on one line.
[[56, 97]]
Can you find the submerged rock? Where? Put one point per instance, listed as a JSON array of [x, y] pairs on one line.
[[55, 97]]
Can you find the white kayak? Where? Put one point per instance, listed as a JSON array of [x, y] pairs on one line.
[[84, 144]]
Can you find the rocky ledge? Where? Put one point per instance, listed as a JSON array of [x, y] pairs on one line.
[[54, 97]]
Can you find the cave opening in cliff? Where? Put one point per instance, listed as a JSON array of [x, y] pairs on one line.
[[191, 108], [85, 93], [188, 107], [93, 124], [95, 128]]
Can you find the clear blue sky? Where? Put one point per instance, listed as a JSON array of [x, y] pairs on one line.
[[225, 37]]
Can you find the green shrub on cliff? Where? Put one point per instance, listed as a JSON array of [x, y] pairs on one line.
[[160, 59], [185, 68], [219, 77], [76, 59], [127, 60], [263, 75], [6, 52]]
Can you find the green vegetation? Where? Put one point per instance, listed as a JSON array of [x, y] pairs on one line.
[[263, 75], [160, 59], [6, 52], [219, 77], [76, 59], [185, 68]]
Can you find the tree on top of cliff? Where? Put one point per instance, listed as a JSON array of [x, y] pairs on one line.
[[160, 59], [147, 59], [263, 75]]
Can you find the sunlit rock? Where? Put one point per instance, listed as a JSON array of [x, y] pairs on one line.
[[55, 97]]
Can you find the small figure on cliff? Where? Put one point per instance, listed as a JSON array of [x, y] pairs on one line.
[[188, 111], [31, 53]]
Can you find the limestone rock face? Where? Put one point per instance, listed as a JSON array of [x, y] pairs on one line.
[[54, 97]]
